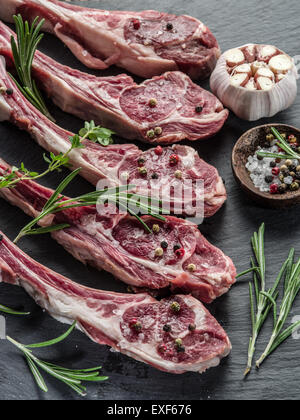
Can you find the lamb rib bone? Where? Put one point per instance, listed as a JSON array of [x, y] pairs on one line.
[[100, 38], [118, 103], [118, 163], [106, 317], [118, 243]]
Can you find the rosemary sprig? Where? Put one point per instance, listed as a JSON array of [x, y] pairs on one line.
[[284, 145], [28, 38], [71, 377], [55, 162], [291, 290], [260, 299], [119, 196], [10, 311]]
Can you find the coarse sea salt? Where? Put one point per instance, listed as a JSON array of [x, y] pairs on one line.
[[260, 169]]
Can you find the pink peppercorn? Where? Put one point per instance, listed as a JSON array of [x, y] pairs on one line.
[[174, 159], [180, 253], [162, 348], [136, 24], [274, 189], [158, 150], [275, 171], [133, 322]]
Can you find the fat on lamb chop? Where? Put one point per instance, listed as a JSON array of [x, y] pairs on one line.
[[119, 244], [145, 43], [119, 163], [111, 318], [182, 109]]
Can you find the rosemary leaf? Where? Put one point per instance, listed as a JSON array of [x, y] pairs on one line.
[[47, 229], [267, 299], [284, 145], [54, 341], [36, 374], [58, 203], [9, 311], [71, 377], [259, 311], [23, 51]]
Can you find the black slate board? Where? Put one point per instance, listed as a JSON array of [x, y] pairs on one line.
[[234, 23]]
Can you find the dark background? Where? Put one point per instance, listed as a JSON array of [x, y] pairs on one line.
[[234, 23]]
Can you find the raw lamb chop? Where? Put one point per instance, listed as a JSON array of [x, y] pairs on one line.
[[113, 318], [183, 110], [118, 243], [145, 43], [119, 163]]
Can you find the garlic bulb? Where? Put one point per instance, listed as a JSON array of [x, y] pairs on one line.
[[255, 81]]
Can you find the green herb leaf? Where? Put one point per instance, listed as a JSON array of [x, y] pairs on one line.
[[54, 341], [47, 229], [267, 299], [58, 203], [71, 377], [292, 288], [60, 188], [23, 50], [7, 310], [36, 374], [284, 145]]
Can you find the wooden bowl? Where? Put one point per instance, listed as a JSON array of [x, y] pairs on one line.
[[246, 146]]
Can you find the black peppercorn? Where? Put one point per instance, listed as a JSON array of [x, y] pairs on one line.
[[154, 175], [169, 26], [192, 327], [164, 244], [176, 247], [286, 173], [273, 164], [9, 92], [167, 328], [199, 109], [260, 157], [141, 161], [269, 179]]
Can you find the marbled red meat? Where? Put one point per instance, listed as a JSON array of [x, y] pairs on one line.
[[118, 163], [122, 105], [106, 317], [118, 243], [146, 43]]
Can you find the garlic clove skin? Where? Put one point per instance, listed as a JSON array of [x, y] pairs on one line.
[[271, 89]]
